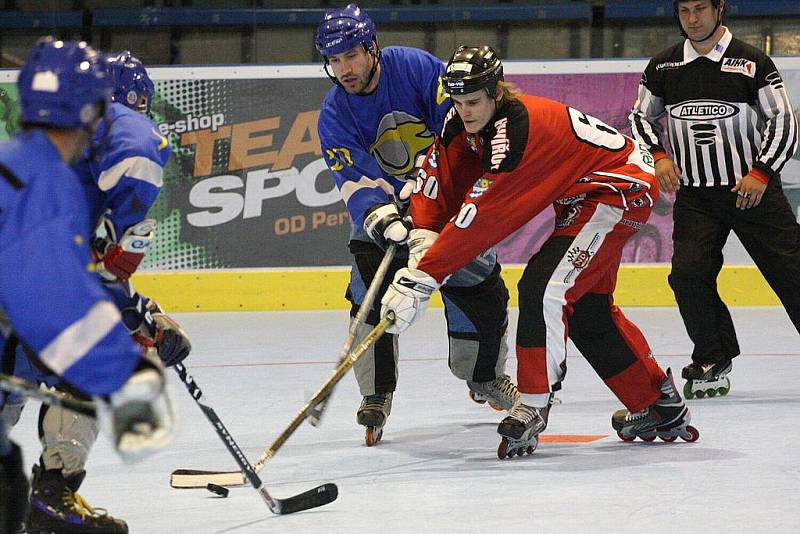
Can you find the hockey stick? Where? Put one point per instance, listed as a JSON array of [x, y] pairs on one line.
[[319, 496], [16, 385], [312, 498], [316, 413], [190, 478]]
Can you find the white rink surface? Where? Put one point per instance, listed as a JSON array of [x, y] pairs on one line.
[[436, 469]]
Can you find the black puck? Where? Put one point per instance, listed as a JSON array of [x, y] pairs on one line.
[[222, 491]]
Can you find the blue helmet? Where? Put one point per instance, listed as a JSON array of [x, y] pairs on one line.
[[61, 83], [343, 29], [131, 81]]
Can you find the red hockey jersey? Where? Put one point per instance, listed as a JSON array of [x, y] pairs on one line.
[[476, 189]]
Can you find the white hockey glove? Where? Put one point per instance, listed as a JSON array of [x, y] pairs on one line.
[[419, 241], [384, 224], [118, 260], [407, 297], [139, 416]]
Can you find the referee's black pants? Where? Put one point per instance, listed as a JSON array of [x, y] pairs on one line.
[[703, 218]]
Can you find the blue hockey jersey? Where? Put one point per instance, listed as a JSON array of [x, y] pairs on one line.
[[47, 292], [371, 142], [127, 170]]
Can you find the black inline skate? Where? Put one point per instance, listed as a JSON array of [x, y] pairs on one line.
[[667, 418], [501, 393], [373, 413], [521, 429], [56, 507], [707, 379]]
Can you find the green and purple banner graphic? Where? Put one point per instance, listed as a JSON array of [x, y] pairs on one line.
[[247, 186]]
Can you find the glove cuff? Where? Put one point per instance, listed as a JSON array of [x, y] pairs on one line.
[[383, 222]]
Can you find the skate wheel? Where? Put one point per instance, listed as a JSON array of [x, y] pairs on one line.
[[700, 394], [687, 390], [669, 439], [711, 392], [648, 438], [502, 449], [726, 388], [625, 438], [372, 436], [693, 434], [476, 399], [497, 407]]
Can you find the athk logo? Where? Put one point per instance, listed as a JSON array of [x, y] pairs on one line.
[[740, 66]]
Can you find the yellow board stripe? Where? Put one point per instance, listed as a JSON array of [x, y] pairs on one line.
[[324, 289]]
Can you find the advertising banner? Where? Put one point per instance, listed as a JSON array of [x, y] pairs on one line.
[[248, 188]]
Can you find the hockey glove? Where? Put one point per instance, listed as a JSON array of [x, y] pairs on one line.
[[139, 416], [162, 332], [119, 260], [407, 297], [419, 241], [384, 224], [404, 196]]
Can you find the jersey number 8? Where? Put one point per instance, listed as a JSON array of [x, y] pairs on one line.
[[595, 132]]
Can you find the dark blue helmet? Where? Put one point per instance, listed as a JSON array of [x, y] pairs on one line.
[[131, 82], [343, 29], [61, 83]]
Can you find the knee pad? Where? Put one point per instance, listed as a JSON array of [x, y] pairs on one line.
[[478, 360], [66, 438], [477, 321], [376, 369]]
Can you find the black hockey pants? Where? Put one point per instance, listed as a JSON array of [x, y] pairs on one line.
[[703, 219]]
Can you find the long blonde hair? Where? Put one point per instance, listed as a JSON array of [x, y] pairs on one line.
[[511, 92]]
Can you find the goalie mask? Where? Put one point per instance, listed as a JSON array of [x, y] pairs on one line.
[[472, 69]]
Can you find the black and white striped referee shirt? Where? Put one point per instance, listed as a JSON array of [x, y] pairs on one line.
[[728, 113]]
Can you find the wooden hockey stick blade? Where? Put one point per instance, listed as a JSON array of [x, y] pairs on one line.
[[196, 478], [190, 478]]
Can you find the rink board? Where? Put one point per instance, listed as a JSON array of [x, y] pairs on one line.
[[638, 285]]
